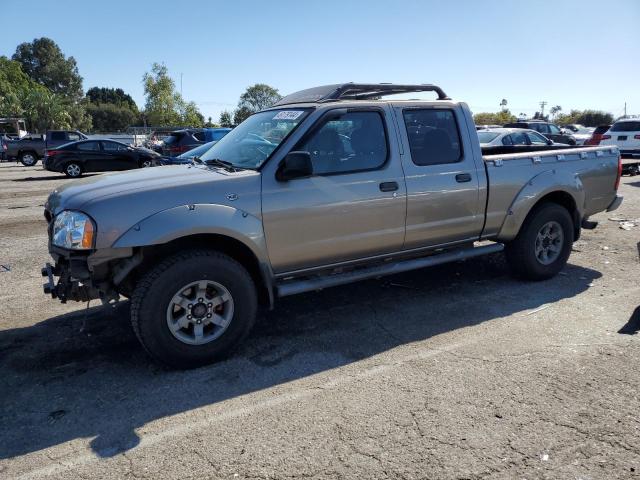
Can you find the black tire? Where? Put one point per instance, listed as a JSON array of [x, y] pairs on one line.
[[521, 252], [73, 170], [154, 295], [28, 159]]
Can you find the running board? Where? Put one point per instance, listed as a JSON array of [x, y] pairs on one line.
[[293, 287]]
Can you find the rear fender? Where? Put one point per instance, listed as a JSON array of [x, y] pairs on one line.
[[541, 185]]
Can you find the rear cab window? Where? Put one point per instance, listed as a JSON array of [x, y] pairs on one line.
[[434, 136]]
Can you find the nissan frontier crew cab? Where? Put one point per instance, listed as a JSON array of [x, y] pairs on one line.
[[331, 185]]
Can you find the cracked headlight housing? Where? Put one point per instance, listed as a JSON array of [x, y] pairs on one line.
[[73, 230]]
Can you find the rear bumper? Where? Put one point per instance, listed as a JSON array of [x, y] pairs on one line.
[[615, 204]]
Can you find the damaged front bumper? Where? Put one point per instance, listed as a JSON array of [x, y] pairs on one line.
[[81, 276]]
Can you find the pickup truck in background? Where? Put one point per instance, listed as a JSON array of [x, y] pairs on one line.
[[30, 148], [331, 185]]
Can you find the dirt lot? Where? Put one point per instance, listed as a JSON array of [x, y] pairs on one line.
[[454, 372]]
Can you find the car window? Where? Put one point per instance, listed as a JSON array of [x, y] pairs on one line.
[[73, 137], [555, 130], [218, 135], [433, 135], [536, 138], [540, 127], [507, 140], [518, 138], [57, 136], [486, 137], [626, 127], [352, 142], [113, 147], [88, 146], [200, 136]]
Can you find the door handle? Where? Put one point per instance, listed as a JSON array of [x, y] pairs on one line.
[[388, 186], [463, 177]]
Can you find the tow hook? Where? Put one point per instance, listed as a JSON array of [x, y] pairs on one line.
[[49, 287]]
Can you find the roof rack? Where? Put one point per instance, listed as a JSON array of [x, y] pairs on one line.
[[357, 91]]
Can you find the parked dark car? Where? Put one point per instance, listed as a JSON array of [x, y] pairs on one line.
[[30, 148], [549, 130], [597, 135], [76, 158], [187, 157], [181, 141]]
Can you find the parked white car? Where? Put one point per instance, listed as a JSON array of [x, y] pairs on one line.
[[625, 134], [495, 137]]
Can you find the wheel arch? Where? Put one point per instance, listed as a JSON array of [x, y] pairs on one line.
[[542, 189]]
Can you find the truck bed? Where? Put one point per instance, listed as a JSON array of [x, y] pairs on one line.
[[587, 175]]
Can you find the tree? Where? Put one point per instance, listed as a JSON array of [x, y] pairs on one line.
[[45, 110], [14, 87], [255, 98], [165, 106], [226, 119], [43, 61], [490, 118], [111, 109], [241, 114], [555, 110], [258, 97], [115, 96], [588, 118]]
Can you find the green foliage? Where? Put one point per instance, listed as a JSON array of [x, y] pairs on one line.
[[588, 118], [225, 119], [165, 106], [110, 109], [109, 117], [241, 114], [255, 98], [43, 61], [497, 118], [114, 96], [46, 110], [14, 87]]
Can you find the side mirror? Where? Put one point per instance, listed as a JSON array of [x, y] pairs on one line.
[[549, 142], [295, 165]]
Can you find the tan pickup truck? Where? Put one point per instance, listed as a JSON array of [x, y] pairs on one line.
[[331, 185]]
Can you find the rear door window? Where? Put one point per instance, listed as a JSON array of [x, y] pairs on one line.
[[88, 146], [519, 138], [434, 137], [58, 136]]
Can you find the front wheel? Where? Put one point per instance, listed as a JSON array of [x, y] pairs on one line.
[[543, 245], [193, 308]]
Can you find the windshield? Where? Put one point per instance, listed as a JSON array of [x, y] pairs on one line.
[[250, 143], [487, 137], [198, 151]]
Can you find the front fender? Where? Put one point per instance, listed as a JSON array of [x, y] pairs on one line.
[[545, 183], [186, 220]]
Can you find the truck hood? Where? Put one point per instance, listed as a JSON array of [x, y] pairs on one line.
[[118, 201]]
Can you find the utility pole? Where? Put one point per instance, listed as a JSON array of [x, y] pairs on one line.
[[542, 104]]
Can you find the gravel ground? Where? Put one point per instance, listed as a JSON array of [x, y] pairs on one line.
[[454, 372]]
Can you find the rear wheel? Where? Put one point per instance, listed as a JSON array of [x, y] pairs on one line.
[[193, 308], [28, 159], [72, 170], [543, 245]]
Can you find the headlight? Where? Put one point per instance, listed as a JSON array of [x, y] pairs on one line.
[[73, 230]]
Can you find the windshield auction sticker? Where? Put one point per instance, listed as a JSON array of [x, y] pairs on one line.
[[287, 115]]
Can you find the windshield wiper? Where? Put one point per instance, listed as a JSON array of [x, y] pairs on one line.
[[196, 159], [222, 163]]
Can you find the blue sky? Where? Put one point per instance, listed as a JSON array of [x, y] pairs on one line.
[[578, 54]]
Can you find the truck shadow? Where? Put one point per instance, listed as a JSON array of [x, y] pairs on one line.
[[84, 375]]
